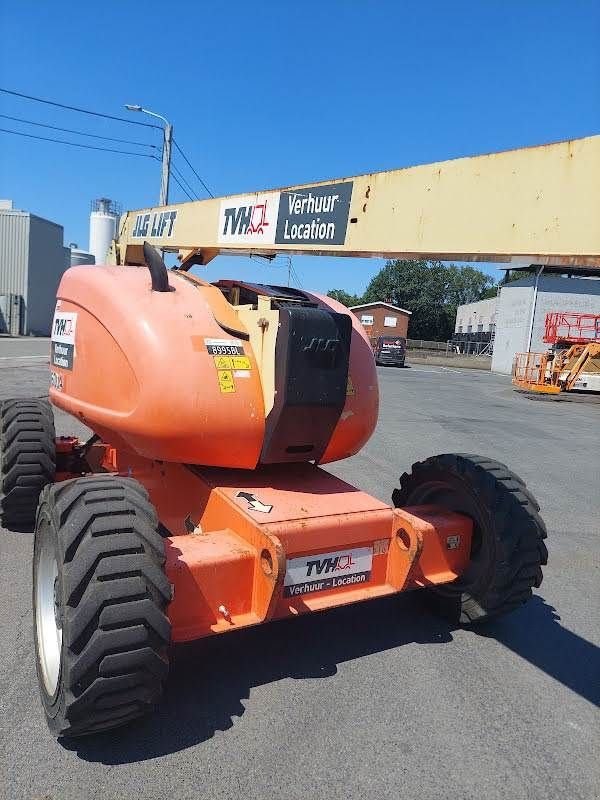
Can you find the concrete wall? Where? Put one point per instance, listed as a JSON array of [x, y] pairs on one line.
[[47, 262], [481, 313], [513, 314], [563, 294], [512, 324]]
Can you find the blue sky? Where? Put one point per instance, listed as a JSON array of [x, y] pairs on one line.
[[264, 94]]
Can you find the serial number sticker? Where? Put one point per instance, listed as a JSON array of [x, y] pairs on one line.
[[452, 542], [226, 382], [224, 347], [241, 373], [341, 569]]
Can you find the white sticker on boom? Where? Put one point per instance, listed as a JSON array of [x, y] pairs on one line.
[[341, 569], [249, 219]]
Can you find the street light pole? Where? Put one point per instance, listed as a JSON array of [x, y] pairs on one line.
[[166, 165], [166, 153]]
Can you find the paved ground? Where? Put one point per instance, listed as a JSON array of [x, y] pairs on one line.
[[377, 701]]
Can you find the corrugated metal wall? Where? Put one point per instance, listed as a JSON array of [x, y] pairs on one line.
[[32, 260], [14, 256], [14, 252]]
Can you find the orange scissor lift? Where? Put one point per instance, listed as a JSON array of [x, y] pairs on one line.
[[573, 361], [200, 504]]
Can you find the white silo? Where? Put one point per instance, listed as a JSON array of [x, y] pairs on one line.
[[103, 227]]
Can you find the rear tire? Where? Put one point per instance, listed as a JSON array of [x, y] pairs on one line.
[[507, 550], [100, 596], [27, 459]]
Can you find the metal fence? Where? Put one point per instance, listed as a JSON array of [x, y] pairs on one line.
[[423, 344]]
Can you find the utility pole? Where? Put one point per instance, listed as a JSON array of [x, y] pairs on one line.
[[165, 174], [166, 165]]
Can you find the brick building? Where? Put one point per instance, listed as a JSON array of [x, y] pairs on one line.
[[382, 319]]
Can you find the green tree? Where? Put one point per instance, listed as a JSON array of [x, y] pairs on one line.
[[466, 284], [343, 297], [431, 290]]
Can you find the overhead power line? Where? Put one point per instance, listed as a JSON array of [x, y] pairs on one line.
[[104, 149], [80, 110], [79, 133], [182, 187], [177, 172], [78, 144], [187, 161], [178, 177]]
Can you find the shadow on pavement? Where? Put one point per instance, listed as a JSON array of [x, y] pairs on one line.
[[210, 678], [534, 632]]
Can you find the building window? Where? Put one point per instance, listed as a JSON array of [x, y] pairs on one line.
[[460, 329], [480, 328], [390, 322], [367, 319], [469, 328]]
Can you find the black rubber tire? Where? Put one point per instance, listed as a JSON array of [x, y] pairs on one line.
[[27, 459], [112, 594], [507, 551]]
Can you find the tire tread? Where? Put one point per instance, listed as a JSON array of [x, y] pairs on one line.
[[116, 632], [517, 526], [27, 458]]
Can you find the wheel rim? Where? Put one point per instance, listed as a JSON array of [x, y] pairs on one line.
[[48, 624]]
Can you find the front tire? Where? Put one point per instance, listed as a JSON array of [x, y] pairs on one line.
[[507, 549], [100, 596]]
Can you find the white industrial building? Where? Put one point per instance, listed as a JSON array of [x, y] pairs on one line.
[[514, 321], [478, 317], [32, 261], [79, 257]]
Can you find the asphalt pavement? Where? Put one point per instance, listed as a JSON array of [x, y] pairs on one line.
[[380, 700]]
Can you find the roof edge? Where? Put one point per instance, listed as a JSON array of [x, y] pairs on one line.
[[379, 303]]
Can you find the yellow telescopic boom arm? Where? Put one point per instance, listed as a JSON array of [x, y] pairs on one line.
[[537, 205]]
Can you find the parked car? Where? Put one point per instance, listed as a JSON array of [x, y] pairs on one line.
[[390, 350]]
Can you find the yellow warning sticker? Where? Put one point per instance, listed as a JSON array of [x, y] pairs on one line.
[[226, 382], [350, 388], [240, 362], [223, 362]]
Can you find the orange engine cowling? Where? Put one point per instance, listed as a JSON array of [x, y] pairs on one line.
[[228, 375]]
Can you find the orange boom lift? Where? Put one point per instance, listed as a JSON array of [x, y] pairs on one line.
[[200, 504], [571, 364]]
